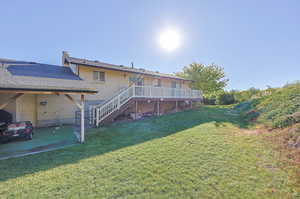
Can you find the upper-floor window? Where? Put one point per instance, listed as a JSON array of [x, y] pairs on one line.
[[137, 80], [157, 82], [173, 84], [99, 76], [176, 84]]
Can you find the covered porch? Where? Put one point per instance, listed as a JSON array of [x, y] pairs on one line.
[[69, 94]]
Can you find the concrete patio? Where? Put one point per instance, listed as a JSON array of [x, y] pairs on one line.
[[44, 139]]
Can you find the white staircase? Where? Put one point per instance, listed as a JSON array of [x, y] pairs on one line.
[[102, 111]]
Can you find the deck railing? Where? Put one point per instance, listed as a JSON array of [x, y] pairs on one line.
[[102, 111]]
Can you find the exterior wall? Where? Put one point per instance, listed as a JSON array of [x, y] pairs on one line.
[[114, 82], [54, 110], [11, 107], [145, 107], [117, 80], [26, 109], [57, 110]]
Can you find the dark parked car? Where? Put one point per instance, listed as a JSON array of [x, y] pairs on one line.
[[14, 130]]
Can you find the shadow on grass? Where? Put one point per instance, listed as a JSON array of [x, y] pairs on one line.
[[118, 136]]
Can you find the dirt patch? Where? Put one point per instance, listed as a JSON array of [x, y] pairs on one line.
[[259, 130], [289, 155], [285, 141]]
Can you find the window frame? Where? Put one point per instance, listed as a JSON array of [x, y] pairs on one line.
[[157, 82], [99, 76]]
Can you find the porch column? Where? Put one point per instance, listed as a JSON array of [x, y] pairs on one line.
[[82, 119]]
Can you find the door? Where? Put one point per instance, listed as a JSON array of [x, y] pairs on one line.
[[139, 90]]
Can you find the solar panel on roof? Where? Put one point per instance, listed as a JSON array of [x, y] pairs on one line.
[[43, 70]]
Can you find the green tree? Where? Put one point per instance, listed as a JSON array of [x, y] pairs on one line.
[[210, 79]]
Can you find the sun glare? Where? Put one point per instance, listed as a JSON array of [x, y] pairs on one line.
[[169, 40]]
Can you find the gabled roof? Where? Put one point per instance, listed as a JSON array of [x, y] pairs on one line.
[[30, 76], [97, 64], [43, 70]]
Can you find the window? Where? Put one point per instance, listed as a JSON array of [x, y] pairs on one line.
[[137, 80], [140, 82], [157, 82], [180, 84], [99, 76], [173, 84]]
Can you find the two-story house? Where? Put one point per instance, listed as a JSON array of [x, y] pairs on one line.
[[111, 91]]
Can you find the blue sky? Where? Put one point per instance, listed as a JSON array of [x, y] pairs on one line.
[[257, 42]]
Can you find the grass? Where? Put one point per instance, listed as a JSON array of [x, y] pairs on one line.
[[194, 154]]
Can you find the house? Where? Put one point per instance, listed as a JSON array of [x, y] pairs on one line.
[[128, 90], [41, 93], [96, 92]]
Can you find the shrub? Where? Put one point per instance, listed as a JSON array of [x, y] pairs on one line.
[[244, 106], [283, 121], [225, 99], [251, 115], [209, 100], [278, 108]]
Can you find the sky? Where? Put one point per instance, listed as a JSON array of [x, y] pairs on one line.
[[257, 42]]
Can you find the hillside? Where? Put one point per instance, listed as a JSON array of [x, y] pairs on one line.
[[203, 153], [279, 109]]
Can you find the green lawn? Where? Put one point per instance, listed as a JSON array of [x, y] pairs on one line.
[[194, 154]]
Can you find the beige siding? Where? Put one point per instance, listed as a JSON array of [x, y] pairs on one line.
[[116, 81], [53, 109], [26, 109]]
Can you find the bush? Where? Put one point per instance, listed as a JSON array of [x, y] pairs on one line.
[[251, 115], [283, 121], [277, 108], [244, 106], [209, 100], [225, 99]]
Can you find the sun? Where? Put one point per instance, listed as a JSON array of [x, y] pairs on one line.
[[169, 39]]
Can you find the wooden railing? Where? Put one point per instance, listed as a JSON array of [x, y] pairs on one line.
[[102, 111]]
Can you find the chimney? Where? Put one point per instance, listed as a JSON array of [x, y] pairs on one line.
[[65, 55]]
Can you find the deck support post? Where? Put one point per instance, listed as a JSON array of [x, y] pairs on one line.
[[158, 108], [176, 106], [82, 119], [191, 104], [136, 109]]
